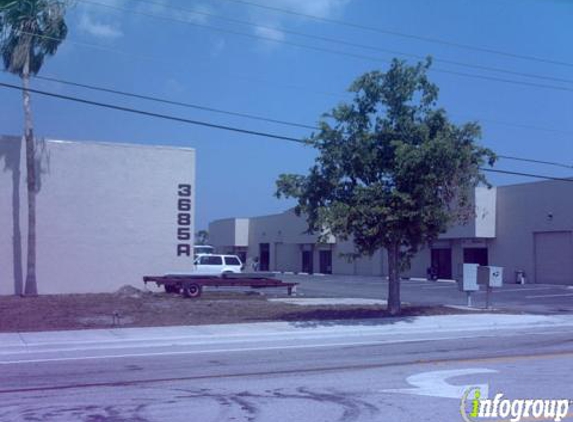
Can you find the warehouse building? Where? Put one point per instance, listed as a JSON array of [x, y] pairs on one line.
[[524, 228], [107, 214]]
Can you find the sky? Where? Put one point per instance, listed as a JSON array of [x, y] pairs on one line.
[[233, 56]]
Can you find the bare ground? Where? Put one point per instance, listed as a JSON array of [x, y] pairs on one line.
[[130, 307]]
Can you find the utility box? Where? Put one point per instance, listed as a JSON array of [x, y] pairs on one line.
[[469, 281], [490, 276]]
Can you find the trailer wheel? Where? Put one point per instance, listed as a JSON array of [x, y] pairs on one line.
[[193, 290], [171, 289]]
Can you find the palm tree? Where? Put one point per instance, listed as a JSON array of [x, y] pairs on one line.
[[30, 31]]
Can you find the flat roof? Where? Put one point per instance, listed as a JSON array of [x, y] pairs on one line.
[[104, 143]]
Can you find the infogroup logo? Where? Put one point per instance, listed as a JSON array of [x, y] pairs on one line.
[[474, 407]]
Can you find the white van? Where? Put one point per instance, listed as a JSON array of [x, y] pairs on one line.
[[217, 264]]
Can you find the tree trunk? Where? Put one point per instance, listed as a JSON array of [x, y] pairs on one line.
[[31, 286], [394, 305]]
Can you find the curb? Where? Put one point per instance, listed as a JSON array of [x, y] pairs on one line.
[[133, 338]]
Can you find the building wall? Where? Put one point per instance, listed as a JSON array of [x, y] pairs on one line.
[[107, 214], [288, 257], [507, 221], [483, 223], [524, 210], [222, 233]]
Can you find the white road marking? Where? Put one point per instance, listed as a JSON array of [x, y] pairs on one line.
[[542, 296], [434, 383]]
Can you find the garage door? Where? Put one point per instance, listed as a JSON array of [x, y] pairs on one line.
[[554, 258]]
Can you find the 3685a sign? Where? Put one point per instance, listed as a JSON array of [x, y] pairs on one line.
[[184, 192]]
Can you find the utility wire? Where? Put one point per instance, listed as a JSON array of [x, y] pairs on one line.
[[291, 86], [244, 115], [402, 34], [336, 41], [514, 124], [531, 160], [176, 103], [153, 114], [221, 127], [171, 61], [516, 173], [238, 114], [333, 52]]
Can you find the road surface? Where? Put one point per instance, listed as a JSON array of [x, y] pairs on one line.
[[335, 378]]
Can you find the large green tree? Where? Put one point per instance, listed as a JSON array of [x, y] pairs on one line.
[[30, 31], [392, 170]]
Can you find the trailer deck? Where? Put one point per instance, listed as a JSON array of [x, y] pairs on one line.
[[191, 285]]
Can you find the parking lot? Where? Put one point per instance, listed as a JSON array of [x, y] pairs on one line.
[[535, 298]]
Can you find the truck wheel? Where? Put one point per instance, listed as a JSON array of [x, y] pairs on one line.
[[194, 290]]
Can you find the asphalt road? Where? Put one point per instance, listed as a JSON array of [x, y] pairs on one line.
[[323, 381], [533, 298]]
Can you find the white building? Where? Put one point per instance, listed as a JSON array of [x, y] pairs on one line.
[[107, 214], [526, 227]]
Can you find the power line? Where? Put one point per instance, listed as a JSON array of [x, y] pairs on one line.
[[516, 125], [536, 176], [238, 114], [404, 35], [244, 115], [176, 103], [171, 61], [330, 51], [291, 86], [531, 160], [336, 41], [221, 127], [153, 114]]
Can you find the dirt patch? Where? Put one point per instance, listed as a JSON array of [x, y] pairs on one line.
[[130, 307]]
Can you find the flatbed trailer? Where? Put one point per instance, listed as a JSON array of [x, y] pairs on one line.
[[191, 285]]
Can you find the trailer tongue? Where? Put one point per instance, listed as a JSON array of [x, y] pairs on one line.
[[191, 285]]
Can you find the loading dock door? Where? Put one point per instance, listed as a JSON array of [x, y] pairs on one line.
[[307, 262], [475, 256], [264, 256], [442, 262], [553, 258], [325, 262]]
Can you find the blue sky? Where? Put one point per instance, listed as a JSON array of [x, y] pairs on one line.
[[196, 64]]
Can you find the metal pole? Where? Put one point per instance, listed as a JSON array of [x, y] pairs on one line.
[[488, 298], [469, 299]]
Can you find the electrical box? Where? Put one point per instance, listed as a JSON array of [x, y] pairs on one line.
[[469, 281], [490, 276]]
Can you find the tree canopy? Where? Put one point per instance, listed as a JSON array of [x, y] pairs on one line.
[[392, 171], [31, 30]]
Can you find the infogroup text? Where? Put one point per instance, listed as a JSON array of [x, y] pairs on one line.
[[474, 408]]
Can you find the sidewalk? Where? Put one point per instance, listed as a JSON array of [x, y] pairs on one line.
[[399, 329]]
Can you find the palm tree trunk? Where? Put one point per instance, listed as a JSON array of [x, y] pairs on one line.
[[394, 304], [31, 286]]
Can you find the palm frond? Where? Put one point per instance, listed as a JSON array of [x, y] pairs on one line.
[[31, 29]]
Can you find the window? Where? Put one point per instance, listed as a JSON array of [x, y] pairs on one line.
[[210, 260], [231, 260]]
